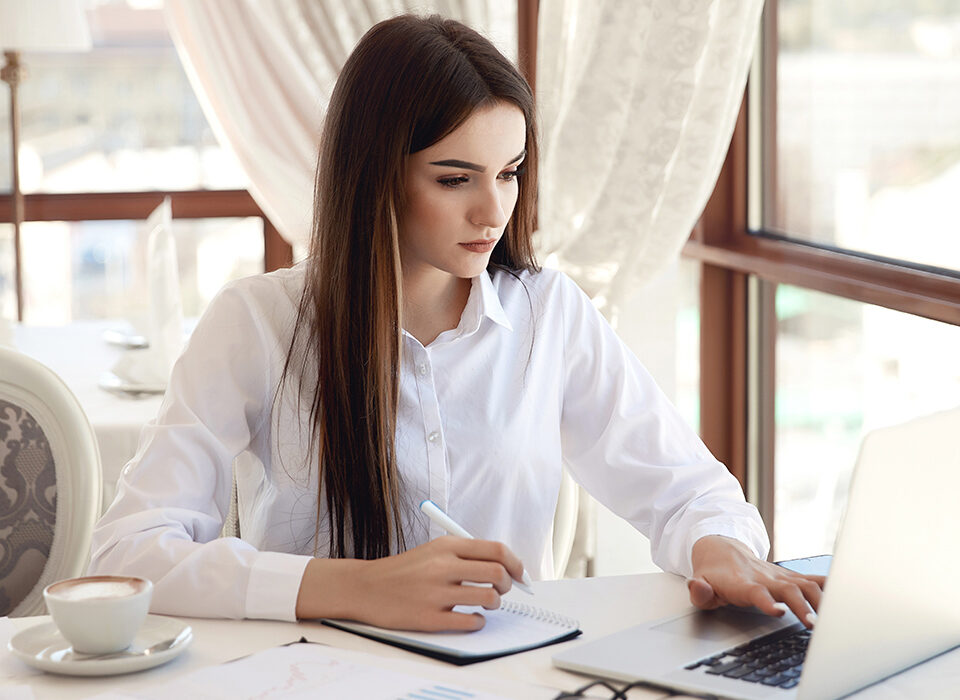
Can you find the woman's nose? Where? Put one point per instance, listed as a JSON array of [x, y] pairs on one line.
[[491, 208]]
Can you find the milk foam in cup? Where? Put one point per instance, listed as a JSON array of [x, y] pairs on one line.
[[99, 614]]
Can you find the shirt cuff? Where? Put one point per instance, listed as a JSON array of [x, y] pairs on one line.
[[754, 536], [274, 585]]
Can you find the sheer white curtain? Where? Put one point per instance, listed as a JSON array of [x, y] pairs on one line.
[[638, 99], [264, 70]]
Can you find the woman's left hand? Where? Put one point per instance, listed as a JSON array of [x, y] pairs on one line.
[[726, 571]]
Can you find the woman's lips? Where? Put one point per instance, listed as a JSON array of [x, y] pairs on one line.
[[481, 246]]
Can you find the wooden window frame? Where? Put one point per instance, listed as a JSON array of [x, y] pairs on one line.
[[185, 204], [731, 255], [527, 16]]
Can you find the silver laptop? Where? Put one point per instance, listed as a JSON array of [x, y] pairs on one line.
[[890, 600]]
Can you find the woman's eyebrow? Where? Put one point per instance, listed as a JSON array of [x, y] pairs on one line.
[[467, 165]]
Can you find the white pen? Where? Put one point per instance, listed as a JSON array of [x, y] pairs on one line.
[[433, 511]]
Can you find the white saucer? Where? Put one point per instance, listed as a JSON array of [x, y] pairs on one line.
[[42, 646], [128, 341], [111, 382]]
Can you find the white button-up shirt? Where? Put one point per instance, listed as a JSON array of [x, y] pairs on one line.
[[532, 378]]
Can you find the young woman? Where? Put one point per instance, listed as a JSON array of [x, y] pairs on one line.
[[419, 352]]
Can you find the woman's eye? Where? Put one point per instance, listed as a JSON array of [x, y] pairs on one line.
[[511, 175], [452, 182]]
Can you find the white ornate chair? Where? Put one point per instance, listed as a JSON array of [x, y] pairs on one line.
[[50, 483]]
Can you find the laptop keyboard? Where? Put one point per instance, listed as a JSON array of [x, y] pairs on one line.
[[774, 660]]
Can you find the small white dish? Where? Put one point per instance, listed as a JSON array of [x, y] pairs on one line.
[[42, 646], [111, 382], [128, 341]]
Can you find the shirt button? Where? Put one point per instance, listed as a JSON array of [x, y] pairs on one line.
[[422, 369], [434, 436]]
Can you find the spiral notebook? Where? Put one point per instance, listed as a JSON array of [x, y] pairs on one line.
[[512, 628]]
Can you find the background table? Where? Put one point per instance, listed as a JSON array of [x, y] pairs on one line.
[[78, 353], [603, 605]]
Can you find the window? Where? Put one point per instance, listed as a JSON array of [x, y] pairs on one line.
[[120, 117], [8, 298], [831, 253], [866, 151], [105, 134], [843, 368], [97, 269]]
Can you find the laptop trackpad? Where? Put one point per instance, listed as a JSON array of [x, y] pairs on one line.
[[717, 625]]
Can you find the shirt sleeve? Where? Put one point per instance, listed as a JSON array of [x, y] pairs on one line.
[[628, 446], [173, 497]]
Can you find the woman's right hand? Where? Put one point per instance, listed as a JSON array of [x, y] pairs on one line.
[[415, 590]]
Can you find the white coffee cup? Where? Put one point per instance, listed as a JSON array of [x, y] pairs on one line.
[[99, 614]]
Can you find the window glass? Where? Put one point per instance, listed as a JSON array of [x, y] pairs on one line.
[[688, 342], [120, 117], [660, 323], [867, 153], [98, 269], [6, 174], [8, 298], [844, 368]]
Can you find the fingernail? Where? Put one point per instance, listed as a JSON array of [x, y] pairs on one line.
[[781, 606], [811, 618]]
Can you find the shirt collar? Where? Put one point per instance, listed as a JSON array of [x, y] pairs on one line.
[[489, 300], [482, 301]]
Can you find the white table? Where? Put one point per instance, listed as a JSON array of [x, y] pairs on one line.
[[78, 353], [603, 605]]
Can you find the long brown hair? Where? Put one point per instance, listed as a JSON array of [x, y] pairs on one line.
[[408, 83]]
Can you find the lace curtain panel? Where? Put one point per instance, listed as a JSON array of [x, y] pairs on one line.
[[263, 71], [638, 100]]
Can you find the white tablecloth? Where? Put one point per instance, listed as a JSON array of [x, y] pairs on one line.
[[78, 353], [602, 605]]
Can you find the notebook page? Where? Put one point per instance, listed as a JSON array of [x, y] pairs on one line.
[[514, 626]]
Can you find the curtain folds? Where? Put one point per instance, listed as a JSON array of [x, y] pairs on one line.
[[638, 100], [263, 71]]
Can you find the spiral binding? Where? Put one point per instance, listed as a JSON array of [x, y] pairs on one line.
[[539, 614]]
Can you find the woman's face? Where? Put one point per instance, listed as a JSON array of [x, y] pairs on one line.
[[461, 192]]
